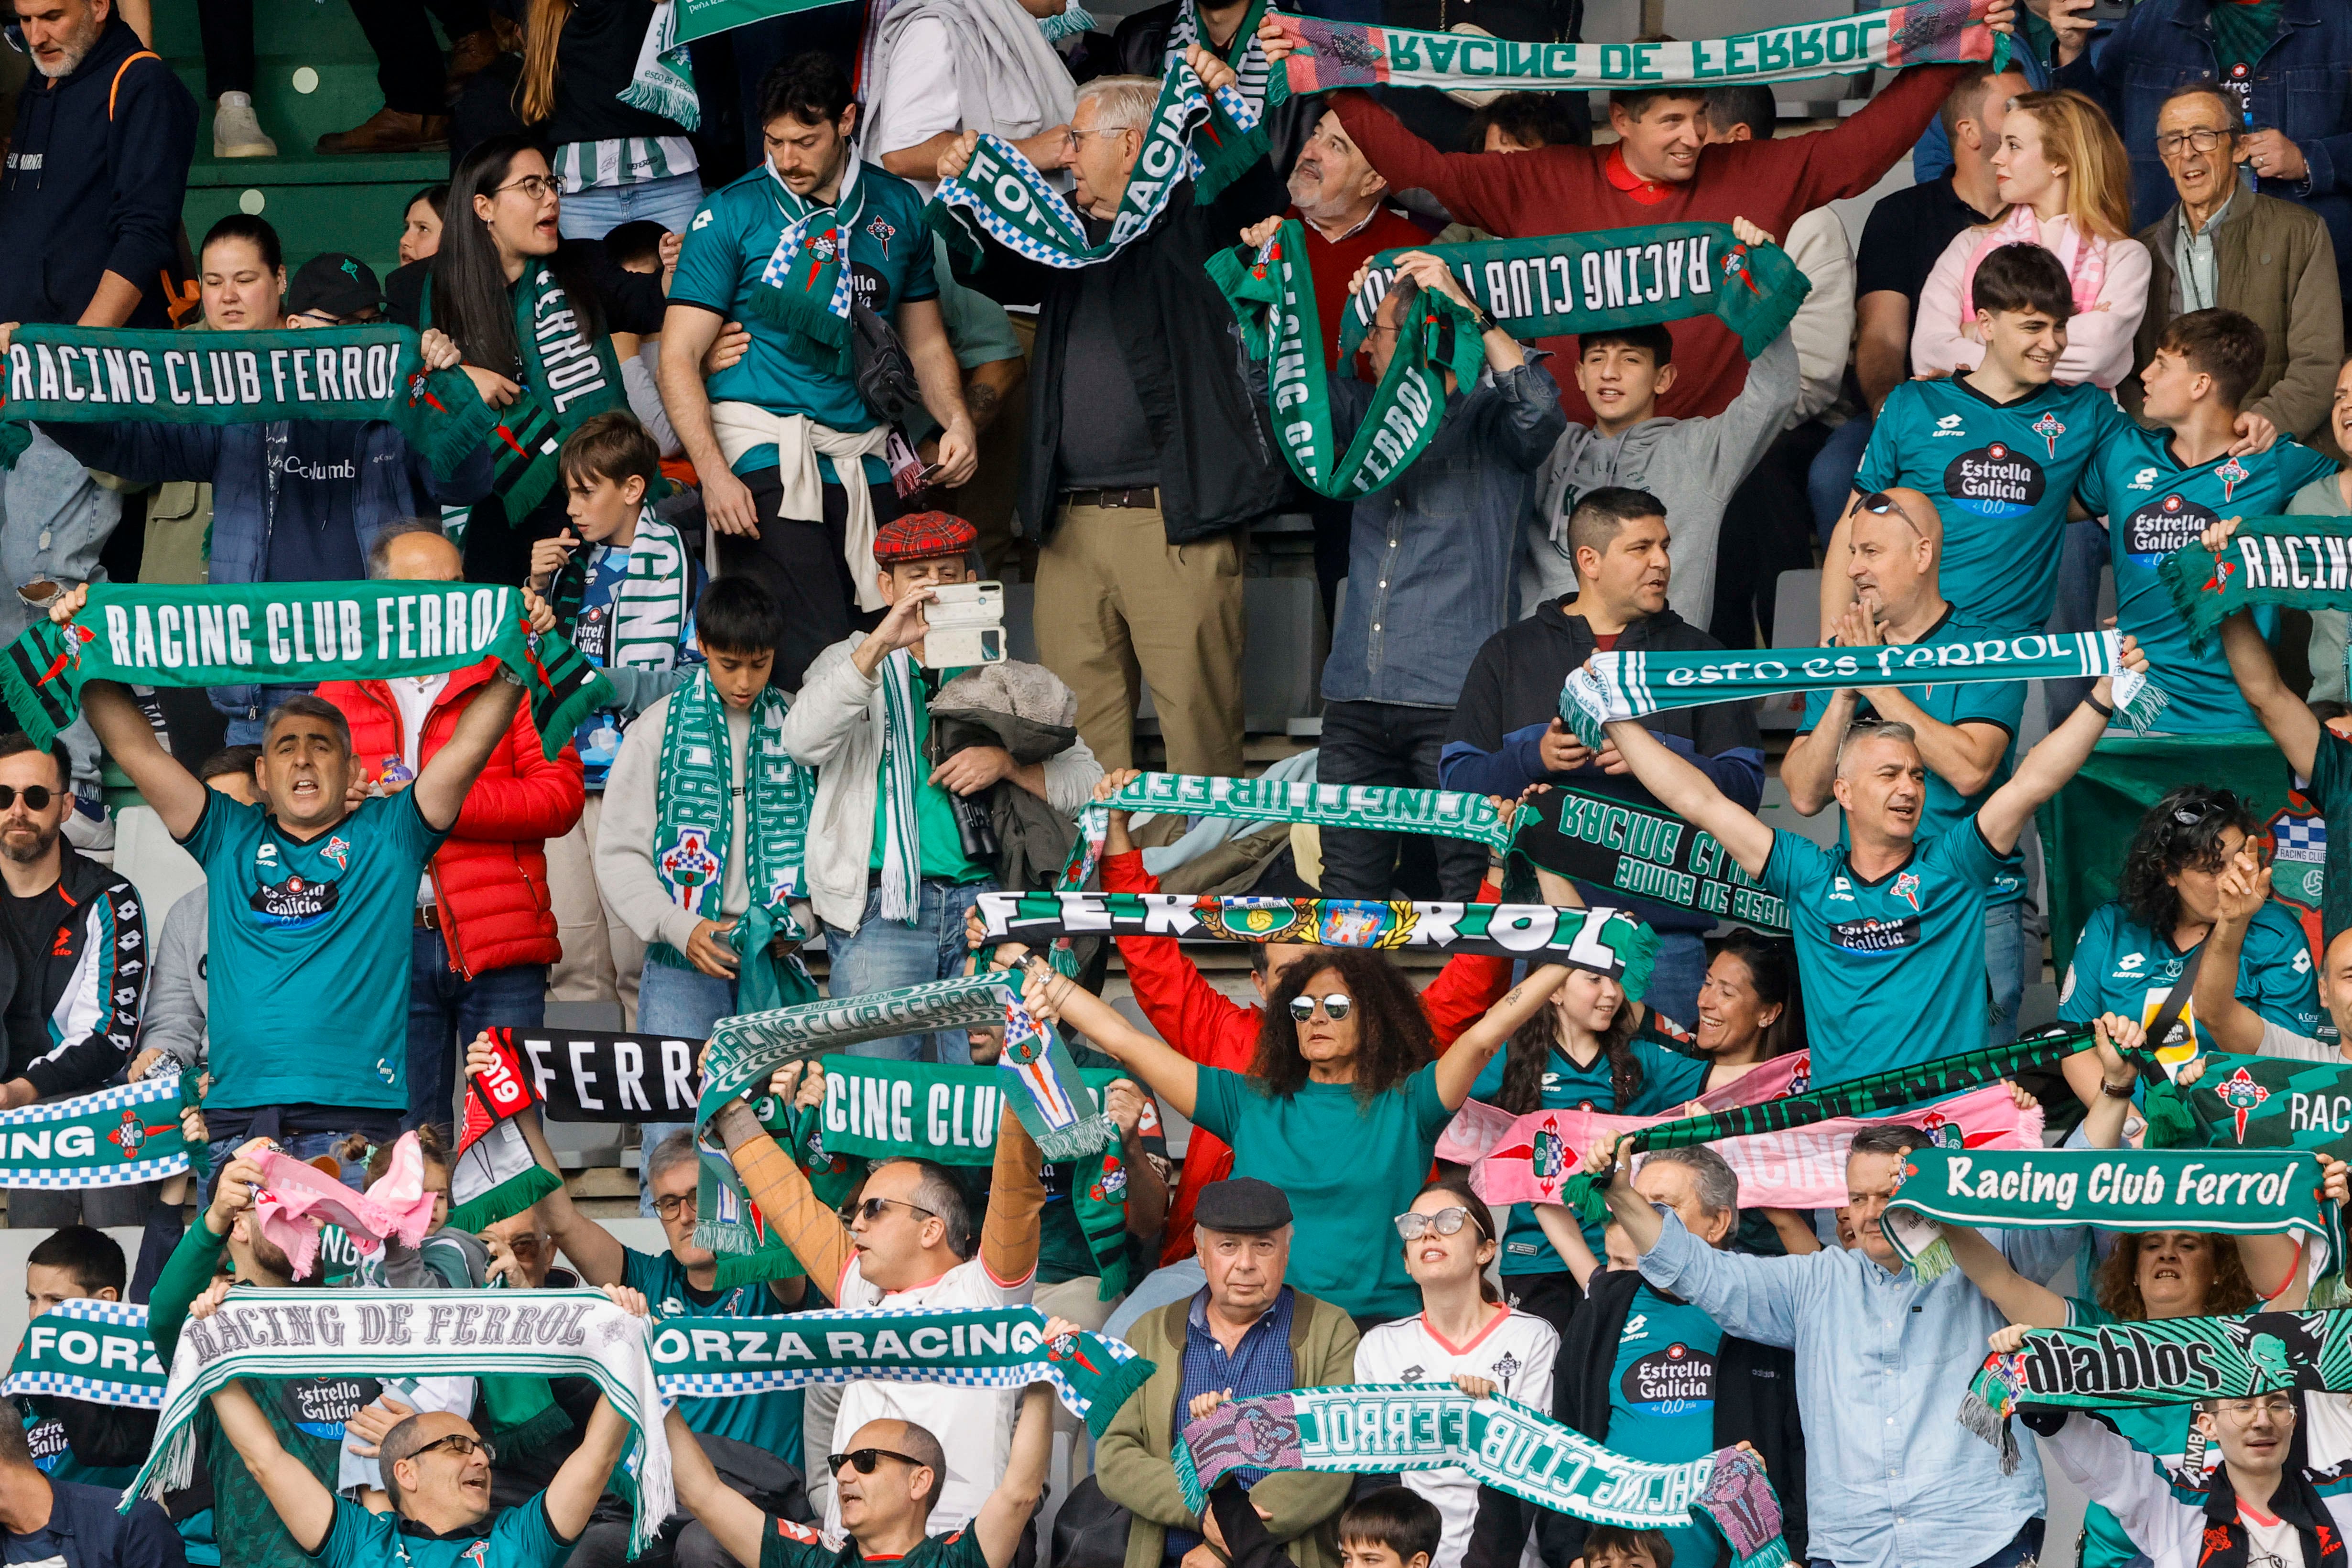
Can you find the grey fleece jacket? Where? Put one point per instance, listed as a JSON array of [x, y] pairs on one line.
[[1691, 464], [175, 1021], [625, 871]]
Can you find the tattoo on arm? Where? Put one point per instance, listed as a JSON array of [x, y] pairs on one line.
[[982, 400]]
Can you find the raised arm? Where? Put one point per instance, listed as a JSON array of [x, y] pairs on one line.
[[1001, 1519], [594, 1251], [1691, 795], [1167, 1074], [2021, 1300], [734, 1521], [571, 1496], [2240, 893], [1016, 1195], [1467, 1057], [775, 1182], [1810, 769], [303, 1502], [2291, 726], [2044, 771], [442, 783], [165, 783]]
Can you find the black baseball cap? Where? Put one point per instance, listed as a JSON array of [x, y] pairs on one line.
[[335, 284]]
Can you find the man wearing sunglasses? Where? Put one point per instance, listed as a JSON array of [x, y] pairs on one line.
[[77, 946], [436, 1470]]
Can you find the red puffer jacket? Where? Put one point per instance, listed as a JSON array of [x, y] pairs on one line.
[[490, 877]]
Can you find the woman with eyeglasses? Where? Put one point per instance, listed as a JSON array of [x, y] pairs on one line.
[[2138, 954], [1465, 1334], [1340, 1109]]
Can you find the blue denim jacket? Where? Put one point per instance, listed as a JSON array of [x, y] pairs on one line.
[[2301, 87], [1433, 558], [1892, 1479]]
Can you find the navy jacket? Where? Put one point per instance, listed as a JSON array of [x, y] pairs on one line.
[[2301, 87], [96, 169], [95, 1536]]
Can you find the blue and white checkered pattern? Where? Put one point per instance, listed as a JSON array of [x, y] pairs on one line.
[[115, 1315], [156, 1086], [839, 218], [2300, 837], [96, 1389], [27, 1134], [93, 1390]]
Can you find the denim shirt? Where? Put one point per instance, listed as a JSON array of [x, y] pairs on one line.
[[1893, 1479], [1433, 556], [2300, 87]]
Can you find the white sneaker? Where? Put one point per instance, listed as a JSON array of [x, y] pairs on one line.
[[237, 132]]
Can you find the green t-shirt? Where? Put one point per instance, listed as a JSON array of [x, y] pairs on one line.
[[1348, 1168], [790, 1546], [517, 1537], [1998, 702], [942, 856], [727, 250], [2000, 475], [2154, 504], [294, 924], [1662, 1400], [1893, 969], [2242, 31], [2122, 967], [2331, 791], [769, 1421]]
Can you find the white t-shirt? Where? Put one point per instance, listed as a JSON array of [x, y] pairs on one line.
[[974, 1426], [1516, 1354], [2270, 1542], [2285, 1042], [921, 103]]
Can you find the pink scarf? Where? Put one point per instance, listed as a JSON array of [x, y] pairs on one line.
[[2019, 226], [295, 1194], [1527, 1159]]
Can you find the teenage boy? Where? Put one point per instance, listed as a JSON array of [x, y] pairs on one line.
[[80, 1440], [2160, 490], [623, 585], [890, 873], [701, 830]]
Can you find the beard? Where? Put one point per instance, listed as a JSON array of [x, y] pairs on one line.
[[75, 50], [44, 840]]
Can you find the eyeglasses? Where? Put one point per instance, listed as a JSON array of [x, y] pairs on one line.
[[535, 186], [1879, 504], [863, 1459], [1445, 1222], [675, 1204], [1335, 1007], [37, 797], [462, 1444], [2276, 1406], [870, 1210], [1075, 136], [2203, 140]]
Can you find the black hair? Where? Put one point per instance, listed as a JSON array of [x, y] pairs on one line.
[[637, 241], [1750, 106], [1619, 1541], [736, 615], [1772, 969], [254, 231], [305, 705], [434, 196], [1885, 1138], [471, 301], [17, 741], [1601, 516], [811, 87], [229, 760], [1455, 1185], [1650, 334], [16, 1447], [1396, 1517], [2182, 831], [2223, 344], [937, 1191], [91, 1257], [2024, 278], [1532, 119]]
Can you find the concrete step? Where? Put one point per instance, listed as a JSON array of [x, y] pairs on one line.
[[316, 203]]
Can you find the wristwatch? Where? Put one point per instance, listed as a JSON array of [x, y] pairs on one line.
[[1482, 316]]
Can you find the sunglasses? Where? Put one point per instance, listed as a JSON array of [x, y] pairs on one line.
[[37, 796], [863, 1460], [1445, 1222], [1878, 503], [2223, 802], [1335, 1007], [870, 1210]]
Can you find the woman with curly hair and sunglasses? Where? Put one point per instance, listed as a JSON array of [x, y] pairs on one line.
[[1341, 1109], [2138, 950]]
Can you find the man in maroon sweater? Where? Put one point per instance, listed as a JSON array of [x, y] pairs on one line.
[[1660, 171]]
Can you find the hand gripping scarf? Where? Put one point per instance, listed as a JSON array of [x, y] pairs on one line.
[[419, 1333], [804, 288], [1346, 54], [2302, 563], [1385, 1428], [86, 375], [2233, 1192], [2169, 1361], [1478, 1129], [1605, 941], [1624, 685], [294, 1192], [1243, 51], [2256, 1102], [653, 603], [1001, 194], [1273, 297], [113, 1137], [991, 1347], [167, 636], [1559, 286], [89, 1350], [694, 817], [1645, 851]]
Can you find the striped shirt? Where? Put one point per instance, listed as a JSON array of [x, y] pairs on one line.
[[1185, 31], [622, 161]]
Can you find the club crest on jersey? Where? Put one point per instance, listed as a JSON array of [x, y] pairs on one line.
[[883, 232], [1906, 888], [2231, 474], [2050, 430], [338, 852]]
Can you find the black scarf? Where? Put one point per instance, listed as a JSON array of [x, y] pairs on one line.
[[2296, 1501]]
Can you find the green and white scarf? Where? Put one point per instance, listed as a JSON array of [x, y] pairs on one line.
[[93, 1351], [1243, 51], [654, 602], [418, 1333], [1444, 814], [1349, 54], [1273, 297], [1386, 1428], [90, 375], [2257, 1102], [116, 1136], [663, 79], [991, 1347], [1623, 685], [2301, 563], [900, 781], [693, 822], [236, 635], [2230, 1192], [1002, 194], [1558, 286], [1644, 851], [804, 288]]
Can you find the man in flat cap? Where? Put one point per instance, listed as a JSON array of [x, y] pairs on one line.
[[894, 864], [1244, 1333]]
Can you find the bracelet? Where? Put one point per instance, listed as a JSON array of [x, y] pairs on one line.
[[2095, 705], [2112, 1093]]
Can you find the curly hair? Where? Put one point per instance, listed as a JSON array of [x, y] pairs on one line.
[[1393, 1038], [2117, 1280], [1531, 1042], [2182, 831]]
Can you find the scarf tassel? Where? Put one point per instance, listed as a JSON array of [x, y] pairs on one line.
[[818, 336], [1934, 1261], [1982, 1420]]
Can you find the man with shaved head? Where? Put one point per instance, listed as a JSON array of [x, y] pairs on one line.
[[1966, 732]]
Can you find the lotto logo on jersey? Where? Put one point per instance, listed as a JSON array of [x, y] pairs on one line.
[[2143, 480], [2156, 531], [1950, 425], [1995, 481]]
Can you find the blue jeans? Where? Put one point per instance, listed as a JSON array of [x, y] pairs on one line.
[[593, 215], [2083, 555], [1830, 481], [882, 954], [249, 731], [446, 1010], [2004, 928], [1675, 977], [1174, 1283], [682, 1004]]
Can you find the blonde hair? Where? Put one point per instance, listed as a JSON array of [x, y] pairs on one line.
[[535, 92], [2077, 136]]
